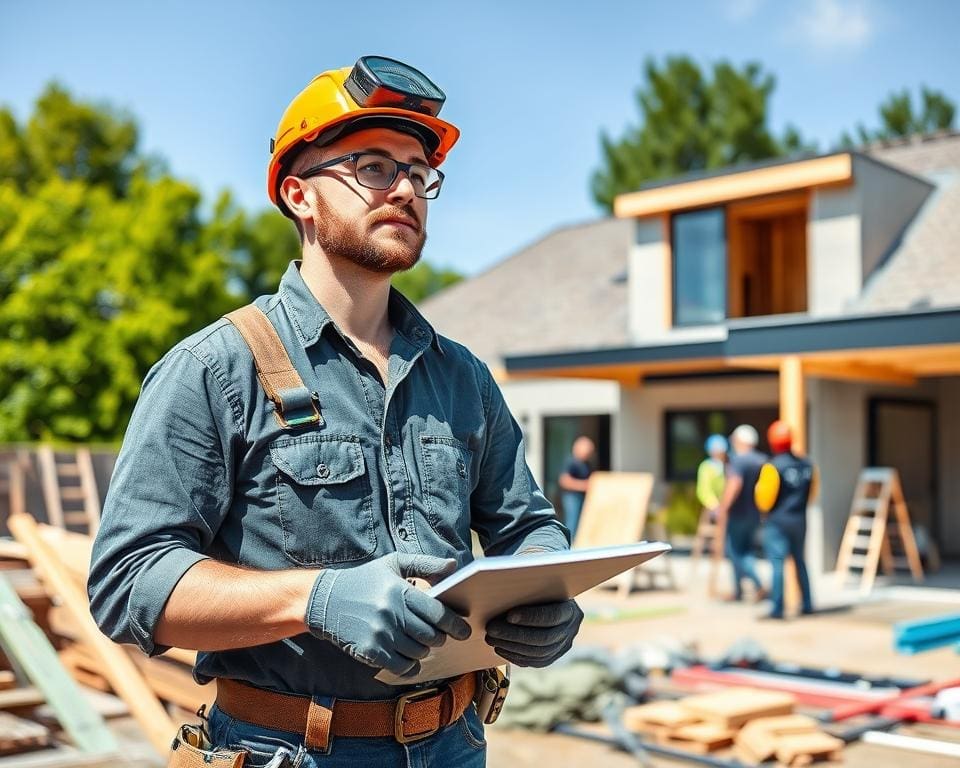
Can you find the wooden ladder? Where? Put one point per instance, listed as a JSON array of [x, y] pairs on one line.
[[870, 533], [70, 488]]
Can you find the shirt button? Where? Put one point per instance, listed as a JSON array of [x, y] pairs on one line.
[[419, 333], [461, 468], [402, 533], [387, 441], [323, 470]]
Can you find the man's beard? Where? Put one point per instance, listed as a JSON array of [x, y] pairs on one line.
[[352, 241]]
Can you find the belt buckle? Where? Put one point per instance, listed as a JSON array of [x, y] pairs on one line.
[[402, 702]]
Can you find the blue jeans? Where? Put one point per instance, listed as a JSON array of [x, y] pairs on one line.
[[572, 506], [740, 532], [779, 542], [459, 744]]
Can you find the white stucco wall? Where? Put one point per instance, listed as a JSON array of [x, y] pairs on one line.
[[647, 280], [834, 275], [530, 401]]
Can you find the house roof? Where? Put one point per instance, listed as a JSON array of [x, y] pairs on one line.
[[568, 290], [924, 271]]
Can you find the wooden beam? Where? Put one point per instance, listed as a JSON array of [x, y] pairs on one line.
[[785, 177], [793, 401], [855, 370], [115, 665]]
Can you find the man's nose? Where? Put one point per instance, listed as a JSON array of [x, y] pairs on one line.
[[402, 190]]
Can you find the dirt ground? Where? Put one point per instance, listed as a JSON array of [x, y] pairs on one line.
[[857, 638]]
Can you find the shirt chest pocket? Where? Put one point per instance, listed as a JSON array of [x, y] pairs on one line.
[[324, 499], [447, 485]]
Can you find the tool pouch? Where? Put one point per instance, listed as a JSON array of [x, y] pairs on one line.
[[192, 749], [492, 686]]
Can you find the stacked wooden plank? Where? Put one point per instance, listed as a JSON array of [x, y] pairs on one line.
[[759, 723]]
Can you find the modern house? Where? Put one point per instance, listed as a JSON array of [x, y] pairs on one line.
[[822, 290]]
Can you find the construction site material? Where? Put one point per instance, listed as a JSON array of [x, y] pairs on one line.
[[869, 536], [615, 512], [911, 637], [69, 484], [758, 740], [25, 644], [733, 708], [912, 743], [894, 706], [115, 664], [20, 735]]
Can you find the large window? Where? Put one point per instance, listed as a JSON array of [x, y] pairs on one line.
[[686, 432], [699, 267]]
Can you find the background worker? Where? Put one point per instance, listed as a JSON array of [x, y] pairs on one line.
[[273, 528], [786, 485], [574, 480], [711, 474], [738, 511]]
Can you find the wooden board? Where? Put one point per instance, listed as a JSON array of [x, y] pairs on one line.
[[797, 746], [658, 713], [19, 735], [115, 665], [733, 707], [21, 698], [24, 642], [758, 739]]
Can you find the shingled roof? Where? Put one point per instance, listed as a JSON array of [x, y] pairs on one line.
[[568, 290], [924, 271]]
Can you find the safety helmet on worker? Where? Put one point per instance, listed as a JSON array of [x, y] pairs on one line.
[[377, 92], [779, 437], [716, 444]]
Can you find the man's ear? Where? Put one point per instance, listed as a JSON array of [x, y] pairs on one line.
[[293, 192]]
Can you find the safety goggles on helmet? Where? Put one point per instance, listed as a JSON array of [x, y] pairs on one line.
[[376, 171], [376, 81]]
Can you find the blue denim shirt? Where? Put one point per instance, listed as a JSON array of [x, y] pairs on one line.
[[206, 471]]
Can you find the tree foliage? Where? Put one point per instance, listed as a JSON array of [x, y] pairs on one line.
[[424, 280], [691, 121], [106, 261], [899, 118]]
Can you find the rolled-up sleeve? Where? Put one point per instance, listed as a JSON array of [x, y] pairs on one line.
[[508, 509], [168, 496]]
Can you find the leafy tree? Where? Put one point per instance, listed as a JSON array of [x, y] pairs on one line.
[[691, 121], [898, 118], [103, 266], [423, 280]]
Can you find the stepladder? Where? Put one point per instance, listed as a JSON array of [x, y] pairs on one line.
[[708, 540], [878, 532]]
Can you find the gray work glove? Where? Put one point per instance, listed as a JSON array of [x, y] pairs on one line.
[[372, 613], [535, 635]]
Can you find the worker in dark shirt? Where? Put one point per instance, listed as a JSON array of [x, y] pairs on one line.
[[573, 481], [785, 486], [738, 512]]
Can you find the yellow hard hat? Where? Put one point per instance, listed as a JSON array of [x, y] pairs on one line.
[[375, 92]]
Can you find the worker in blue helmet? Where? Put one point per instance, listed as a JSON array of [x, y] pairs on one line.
[[710, 473]]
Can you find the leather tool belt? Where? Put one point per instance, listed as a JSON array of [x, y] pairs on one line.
[[411, 717]]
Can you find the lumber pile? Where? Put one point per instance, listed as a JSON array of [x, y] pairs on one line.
[[759, 724]]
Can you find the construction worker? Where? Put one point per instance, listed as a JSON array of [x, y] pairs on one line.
[[738, 513], [287, 469], [785, 486], [710, 474], [574, 481]]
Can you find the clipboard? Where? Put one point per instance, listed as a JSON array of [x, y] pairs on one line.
[[489, 586]]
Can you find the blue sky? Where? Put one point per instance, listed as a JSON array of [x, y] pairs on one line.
[[531, 84]]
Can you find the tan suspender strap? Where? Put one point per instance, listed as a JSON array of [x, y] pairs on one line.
[[280, 381]]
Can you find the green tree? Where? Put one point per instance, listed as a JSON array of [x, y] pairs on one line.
[[691, 121], [899, 118], [104, 264], [423, 280]]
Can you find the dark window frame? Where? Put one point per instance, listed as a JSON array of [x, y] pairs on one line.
[[673, 265]]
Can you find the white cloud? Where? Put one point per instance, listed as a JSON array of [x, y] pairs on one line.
[[834, 24], [741, 10]]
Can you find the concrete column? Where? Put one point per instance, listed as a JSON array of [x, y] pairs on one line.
[[793, 401]]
